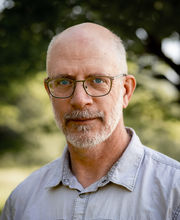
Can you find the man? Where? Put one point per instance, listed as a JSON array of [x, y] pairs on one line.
[[105, 172]]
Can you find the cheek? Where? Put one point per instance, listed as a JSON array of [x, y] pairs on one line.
[[117, 96], [106, 105], [116, 105], [59, 107]]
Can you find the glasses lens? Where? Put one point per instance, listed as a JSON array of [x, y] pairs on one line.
[[97, 86], [61, 87]]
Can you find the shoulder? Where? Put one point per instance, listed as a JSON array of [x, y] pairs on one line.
[[38, 179], [152, 159], [30, 189], [35, 186], [160, 159], [161, 170]]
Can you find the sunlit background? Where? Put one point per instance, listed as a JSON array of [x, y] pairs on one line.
[[150, 32]]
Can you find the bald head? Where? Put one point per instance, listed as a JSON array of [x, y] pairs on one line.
[[91, 34]]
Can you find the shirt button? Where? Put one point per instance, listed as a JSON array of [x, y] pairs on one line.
[[104, 181], [82, 196], [66, 181]]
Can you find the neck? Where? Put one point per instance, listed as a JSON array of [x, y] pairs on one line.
[[91, 164]]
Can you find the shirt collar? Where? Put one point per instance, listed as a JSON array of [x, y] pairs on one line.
[[124, 172], [57, 170]]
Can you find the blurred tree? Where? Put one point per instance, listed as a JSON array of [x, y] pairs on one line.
[[26, 28]]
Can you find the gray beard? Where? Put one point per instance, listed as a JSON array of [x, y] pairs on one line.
[[85, 137]]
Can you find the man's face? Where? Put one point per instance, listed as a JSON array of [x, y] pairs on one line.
[[86, 121]]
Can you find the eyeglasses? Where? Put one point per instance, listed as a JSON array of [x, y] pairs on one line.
[[95, 86]]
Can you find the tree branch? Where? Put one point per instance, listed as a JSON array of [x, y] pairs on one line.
[[153, 46]]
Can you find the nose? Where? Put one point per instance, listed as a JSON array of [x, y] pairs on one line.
[[80, 98]]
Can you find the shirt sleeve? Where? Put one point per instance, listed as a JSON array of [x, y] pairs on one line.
[[7, 212]]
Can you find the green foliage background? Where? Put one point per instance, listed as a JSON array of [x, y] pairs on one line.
[[27, 129]]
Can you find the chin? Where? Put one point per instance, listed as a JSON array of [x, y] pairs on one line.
[[86, 139]]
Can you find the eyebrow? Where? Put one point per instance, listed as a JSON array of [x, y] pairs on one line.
[[66, 75], [63, 76]]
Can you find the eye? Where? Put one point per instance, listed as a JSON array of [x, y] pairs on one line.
[[98, 80], [63, 82]]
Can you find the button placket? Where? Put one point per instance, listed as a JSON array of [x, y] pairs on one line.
[[80, 206]]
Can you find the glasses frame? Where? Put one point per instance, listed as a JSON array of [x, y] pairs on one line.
[[48, 80]]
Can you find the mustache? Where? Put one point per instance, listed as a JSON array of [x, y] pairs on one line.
[[85, 114]]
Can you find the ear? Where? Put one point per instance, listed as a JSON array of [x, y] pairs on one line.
[[129, 87]]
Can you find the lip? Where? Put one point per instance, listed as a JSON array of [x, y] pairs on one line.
[[81, 120]]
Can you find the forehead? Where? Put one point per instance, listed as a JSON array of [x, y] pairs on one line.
[[82, 54]]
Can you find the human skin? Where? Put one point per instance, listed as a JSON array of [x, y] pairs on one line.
[[80, 51]]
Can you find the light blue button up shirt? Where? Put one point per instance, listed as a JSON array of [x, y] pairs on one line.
[[142, 185]]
